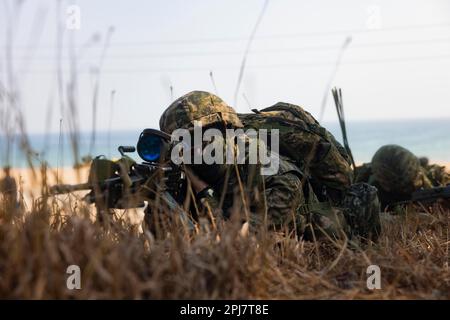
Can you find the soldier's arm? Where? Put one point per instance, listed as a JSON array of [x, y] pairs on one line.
[[238, 191], [204, 193]]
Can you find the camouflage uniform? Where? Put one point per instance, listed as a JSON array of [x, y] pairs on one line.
[[289, 197], [437, 175], [312, 147], [396, 173]]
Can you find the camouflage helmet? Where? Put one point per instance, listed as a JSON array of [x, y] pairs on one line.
[[396, 169], [201, 106]]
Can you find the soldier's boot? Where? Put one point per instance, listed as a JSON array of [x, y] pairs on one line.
[[361, 209]]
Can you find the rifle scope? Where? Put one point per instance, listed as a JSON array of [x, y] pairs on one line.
[[152, 144]]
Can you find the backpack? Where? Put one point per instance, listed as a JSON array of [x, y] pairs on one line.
[[314, 149]]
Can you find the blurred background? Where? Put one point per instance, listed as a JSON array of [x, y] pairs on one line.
[[101, 71]]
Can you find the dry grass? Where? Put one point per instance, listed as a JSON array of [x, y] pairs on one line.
[[38, 243], [118, 261]]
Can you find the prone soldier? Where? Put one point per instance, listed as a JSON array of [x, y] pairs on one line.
[[312, 191], [398, 174]]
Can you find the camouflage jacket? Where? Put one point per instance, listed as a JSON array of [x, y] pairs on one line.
[[314, 150], [284, 200], [244, 191]]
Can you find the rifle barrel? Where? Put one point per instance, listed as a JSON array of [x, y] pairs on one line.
[[67, 188], [431, 194]]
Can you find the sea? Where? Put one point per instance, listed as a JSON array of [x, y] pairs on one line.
[[430, 138]]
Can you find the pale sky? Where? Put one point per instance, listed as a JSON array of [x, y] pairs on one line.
[[396, 66]]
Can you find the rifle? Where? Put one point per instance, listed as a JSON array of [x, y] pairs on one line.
[[431, 195], [124, 183], [424, 196]]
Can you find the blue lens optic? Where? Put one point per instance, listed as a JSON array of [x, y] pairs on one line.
[[149, 147]]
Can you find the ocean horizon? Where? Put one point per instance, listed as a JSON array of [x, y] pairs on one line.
[[426, 137]]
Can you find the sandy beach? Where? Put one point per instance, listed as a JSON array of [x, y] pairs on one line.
[[30, 181], [30, 185]]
